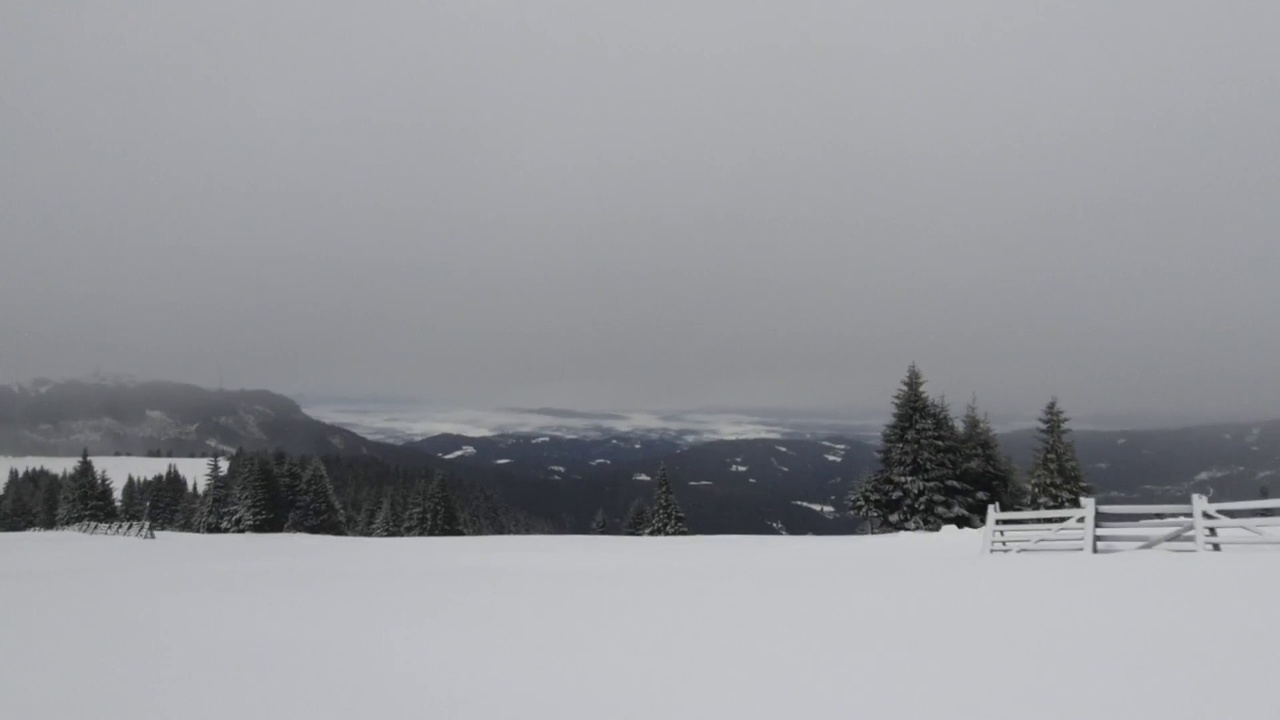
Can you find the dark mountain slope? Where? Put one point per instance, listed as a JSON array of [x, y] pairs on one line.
[[1231, 460]]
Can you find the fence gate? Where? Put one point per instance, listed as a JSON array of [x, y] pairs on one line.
[[1040, 530], [1094, 528]]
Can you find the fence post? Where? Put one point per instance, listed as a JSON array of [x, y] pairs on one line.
[[989, 529], [1197, 518], [1090, 525]]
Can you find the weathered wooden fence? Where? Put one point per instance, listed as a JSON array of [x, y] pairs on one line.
[[141, 529], [1094, 528]]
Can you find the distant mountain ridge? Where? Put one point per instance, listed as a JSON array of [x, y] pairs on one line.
[[740, 484], [61, 418]]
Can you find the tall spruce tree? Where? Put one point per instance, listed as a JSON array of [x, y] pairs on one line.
[[1056, 481], [258, 497], [218, 504], [666, 518], [131, 505], [600, 524], [316, 509], [189, 508], [50, 496], [989, 473], [417, 511], [443, 518], [637, 518], [104, 500], [81, 494], [368, 514], [918, 485], [19, 502], [385, 524], [289, 474]]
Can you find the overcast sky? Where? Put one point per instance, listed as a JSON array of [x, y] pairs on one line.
[[657, 203]]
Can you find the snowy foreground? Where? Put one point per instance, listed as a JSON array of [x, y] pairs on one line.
[[560, 628]]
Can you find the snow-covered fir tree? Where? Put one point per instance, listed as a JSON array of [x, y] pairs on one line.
[[637, 518], [918, 485], [416, 512], [316, 509], [131, 504], [49, 493], [257, 498], [666, 518], [385, 523], [104, 500], [987, 471], [443, 518], [81, 494], [289, 478], [600, 524], [218, 504], [368, 513], [1056, 481]]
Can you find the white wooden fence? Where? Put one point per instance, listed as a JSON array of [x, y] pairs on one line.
[[1094, 528]]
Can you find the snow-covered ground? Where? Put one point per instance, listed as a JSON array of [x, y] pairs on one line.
[[566, 628], [117, 468]]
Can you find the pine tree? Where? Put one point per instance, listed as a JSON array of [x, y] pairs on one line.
[[368, 514], [189, 508], [443, 518], [666, 517], [1056, 481], [600, 525], [416, 511], [637, 521], [218, 506], [258, 498], [289, 474], [131, 506], [385, 525], [316, 509], [104, 500], [81, 494], [918, 485], [50, 498], [19, 502], [986, 471]]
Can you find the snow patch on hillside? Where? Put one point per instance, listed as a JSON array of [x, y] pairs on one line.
[[464, 451], [1216, 473], [824, 510]]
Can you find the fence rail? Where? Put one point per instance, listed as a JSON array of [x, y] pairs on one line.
[[1092, 528]]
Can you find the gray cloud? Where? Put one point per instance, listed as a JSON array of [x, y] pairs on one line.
[[658, 204]]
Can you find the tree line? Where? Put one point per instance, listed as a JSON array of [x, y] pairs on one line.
[[935, 472], [266, 493]]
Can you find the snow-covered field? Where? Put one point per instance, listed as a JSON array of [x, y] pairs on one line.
[[561, 628], [117, 468]]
